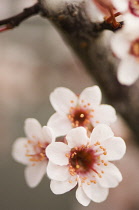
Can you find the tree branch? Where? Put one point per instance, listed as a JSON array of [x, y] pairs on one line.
[[86, 39], [14, 21]]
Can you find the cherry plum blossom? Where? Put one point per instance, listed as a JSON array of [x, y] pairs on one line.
[[125, 45], [74, 111], [30, 151], [85, 162]]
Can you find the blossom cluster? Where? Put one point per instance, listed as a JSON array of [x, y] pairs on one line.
[[125, 42], [75, 148]]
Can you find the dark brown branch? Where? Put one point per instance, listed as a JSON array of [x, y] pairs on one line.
[[14, 21]]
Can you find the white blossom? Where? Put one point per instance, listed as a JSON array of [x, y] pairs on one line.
[[83, 110], [125, 45], [85, 162], [125, 6], [30, 151], [129, 10]]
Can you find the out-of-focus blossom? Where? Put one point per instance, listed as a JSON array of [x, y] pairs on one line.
[[129, 9], [107, 9], [125, 45], [31, 150], [85, 162], [124, 6], [104, 6], [74, 111]]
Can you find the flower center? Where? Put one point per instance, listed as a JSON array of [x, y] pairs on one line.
[[79, 117], [86, 161], [134, 50], [82, 159], [134, 7], [36, 151]]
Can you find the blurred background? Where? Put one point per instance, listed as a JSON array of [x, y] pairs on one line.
[[34, 60]]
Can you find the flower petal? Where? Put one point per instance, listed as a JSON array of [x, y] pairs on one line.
[[62, 99], [58, 187], [128, 70], [19, 151], [82, 197], [60, 124], [121, 6], [115, 148], [111, 176], [34, 174], [77, 137], [100, 133], [120, 45], [58, 173], [104, 114], [91, 96], [33, 129], [48, 134], [95, 192], [56, 152]]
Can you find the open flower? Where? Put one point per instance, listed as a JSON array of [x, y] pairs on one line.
[[125, 45], [85, 162], [31, 150], [74, 111]]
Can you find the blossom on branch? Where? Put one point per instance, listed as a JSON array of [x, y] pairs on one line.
[[85, 162], [74, 111], [125, 45], [31, 150]]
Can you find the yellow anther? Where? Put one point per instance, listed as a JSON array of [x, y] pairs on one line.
[[93, 181], [99, 175], [81, 115], [77, 166]]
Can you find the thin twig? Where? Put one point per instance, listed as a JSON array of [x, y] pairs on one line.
[[14, 21]]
